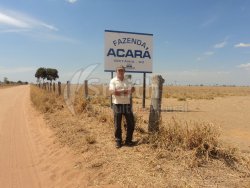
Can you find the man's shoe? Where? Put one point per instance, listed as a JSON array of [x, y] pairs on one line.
[[118, 145], [130, 143]]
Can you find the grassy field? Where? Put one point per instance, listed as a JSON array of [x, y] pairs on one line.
[[182, 154], [204, 92], [180, 92]]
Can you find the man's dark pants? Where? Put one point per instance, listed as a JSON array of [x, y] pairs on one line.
[[126, 110]]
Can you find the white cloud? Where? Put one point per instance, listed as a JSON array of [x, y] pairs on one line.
[[54, 37], [209, 53], [51, 27], [16, 22], [198, 59], [16, 70], [13, 30], [71, 1], [12, 19], [242, 45], [220, 45], [209, 22], [204, 56], [245, 66]]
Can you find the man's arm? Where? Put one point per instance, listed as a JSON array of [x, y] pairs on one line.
[[116, 92], [113, 90], [121, 92]]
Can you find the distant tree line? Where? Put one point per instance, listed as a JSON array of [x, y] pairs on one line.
[[46, 73], [6, 81]]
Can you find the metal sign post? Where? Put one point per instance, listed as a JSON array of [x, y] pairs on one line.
[[112, 76], [144, 90], [129, 78]]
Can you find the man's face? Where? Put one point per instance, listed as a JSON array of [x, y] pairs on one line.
[[120, 73]]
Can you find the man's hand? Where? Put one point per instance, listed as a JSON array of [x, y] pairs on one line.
[[132, 89], [129, 91], [123, 92], [117, 92]]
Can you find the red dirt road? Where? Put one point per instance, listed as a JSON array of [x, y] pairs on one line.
[[29, 155]]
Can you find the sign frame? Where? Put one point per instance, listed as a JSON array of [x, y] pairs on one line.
[[146, 40]]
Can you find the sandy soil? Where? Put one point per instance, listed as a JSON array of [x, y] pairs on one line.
[[231, 114], [30, 157]]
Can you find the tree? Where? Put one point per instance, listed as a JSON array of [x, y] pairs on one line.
[[46, 73], [52, 74], [5, 80], [41, 73], [19, 82]]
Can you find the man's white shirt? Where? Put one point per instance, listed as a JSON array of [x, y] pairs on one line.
[[116, 84]]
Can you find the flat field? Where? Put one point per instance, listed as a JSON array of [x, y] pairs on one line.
[[203, 141]]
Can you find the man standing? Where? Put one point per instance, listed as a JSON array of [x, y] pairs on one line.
[[121, 91]]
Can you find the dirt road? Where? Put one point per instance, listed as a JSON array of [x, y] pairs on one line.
[[29, 155]]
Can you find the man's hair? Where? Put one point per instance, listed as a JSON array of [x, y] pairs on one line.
[[120, 67]]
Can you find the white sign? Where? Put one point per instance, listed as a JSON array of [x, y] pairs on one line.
[[134, 51]]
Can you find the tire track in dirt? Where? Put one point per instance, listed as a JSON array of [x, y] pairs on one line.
[[29, 155]]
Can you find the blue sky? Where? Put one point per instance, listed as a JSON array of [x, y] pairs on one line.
[[195, 41]]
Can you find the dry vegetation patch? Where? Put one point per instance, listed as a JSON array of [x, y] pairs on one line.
[[182, 154], [181, 93], [198, 142], [204, 92]]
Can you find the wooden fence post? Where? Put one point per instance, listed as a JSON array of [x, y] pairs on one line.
[[155, 107], [86, 92], [68, 89], [129, 78], [59, 88], [54, 87]]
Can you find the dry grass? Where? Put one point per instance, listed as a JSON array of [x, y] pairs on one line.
[[182, 154], [200, 140], [203, 92], [181, 93], [45, 101]]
